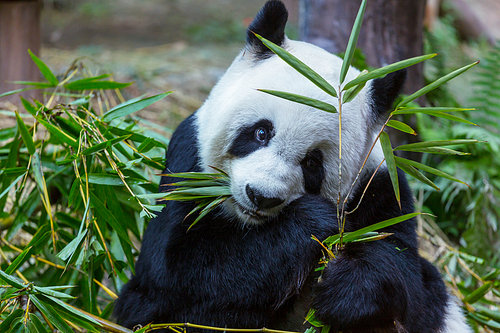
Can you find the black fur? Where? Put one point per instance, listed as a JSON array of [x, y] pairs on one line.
[[313, 171], [246, 143], [223, 275], [385, 90], [269, 23], [371, 285]]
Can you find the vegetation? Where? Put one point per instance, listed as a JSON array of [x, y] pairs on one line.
[[77, 188]]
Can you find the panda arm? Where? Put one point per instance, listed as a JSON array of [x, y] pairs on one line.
[[371, 285]]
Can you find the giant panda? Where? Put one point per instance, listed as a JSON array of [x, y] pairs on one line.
[[252, 262]]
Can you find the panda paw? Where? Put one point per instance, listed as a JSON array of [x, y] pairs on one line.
[[351, 295]]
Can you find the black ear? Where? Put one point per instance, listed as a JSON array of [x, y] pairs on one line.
[[269, 23], [385, 90]]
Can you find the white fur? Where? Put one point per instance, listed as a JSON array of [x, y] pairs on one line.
[[235, 102], [455, 320]]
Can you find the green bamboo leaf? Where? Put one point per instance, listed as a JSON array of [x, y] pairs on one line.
[[124, 110], [12, 92], [37, 85], [104, 145], [61, 306], [439, 143], [51, 292], [14, 282], [7, 190], [435, 84], [146, 145], [425, 110], [371, 236], [85, 84], [136, 137], [46, 72], [214, 191], [41, 236], [391, 164], [401, 127], [40, 328], [107, 216], [311, 319], [211, 206], [59, 134], [495, 315], [353, 40], [484, 320], [416, 174], [348, 237], [477, 294], [25, 135], [6, 324], [451, 117], [29, 107], [383, 71], [428, 169], [68, 251], [491, 275], [54, 318], [114, 180], [302, 100], [354, 91], [192, 175], [436, 150], [299, 66]]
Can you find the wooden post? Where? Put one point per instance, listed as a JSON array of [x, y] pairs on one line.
[[19, 31]]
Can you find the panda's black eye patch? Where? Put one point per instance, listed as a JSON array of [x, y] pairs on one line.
[[313, 171], [251, 138]]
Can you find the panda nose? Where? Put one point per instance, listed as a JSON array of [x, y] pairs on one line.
[[261, 201]]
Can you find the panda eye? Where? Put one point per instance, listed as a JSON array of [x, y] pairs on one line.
[[310, 163], [261, 134]]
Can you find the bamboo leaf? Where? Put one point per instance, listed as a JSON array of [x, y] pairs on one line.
[[29, 107], [436, 150], [7, 190], [211, 206], [353, 40], [85, 84], [111, 179], [477, 294], [46, 72], [25, 135], [51, 314], [51, 292], [428, 169], [425, 110], [61, 306], [59, 134], [428, 144], [7, 322], [146, 145], [14, 282], [299, 66], [107, 216], [103, 145], [371, 236], [12, 92], [354, 91], [72, 246], [391, 164], [401, 127], [124, 110], [435, 84], [348, 237], [387, 69], [302, 100], [416, 174], [37, 85], [37, 323]]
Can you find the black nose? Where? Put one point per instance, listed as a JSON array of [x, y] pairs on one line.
[[261, 201]]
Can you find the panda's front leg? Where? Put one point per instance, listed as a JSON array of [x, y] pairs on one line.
[[369, 286]]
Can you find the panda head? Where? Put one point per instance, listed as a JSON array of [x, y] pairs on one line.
[[276, 150]]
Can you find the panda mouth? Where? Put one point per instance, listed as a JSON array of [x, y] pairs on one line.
[[257, 214]]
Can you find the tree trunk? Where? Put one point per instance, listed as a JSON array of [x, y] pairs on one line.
[[19, 31], [391, 31]]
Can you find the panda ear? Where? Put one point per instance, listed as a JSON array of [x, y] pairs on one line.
[[269, 23], [385, 90]]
